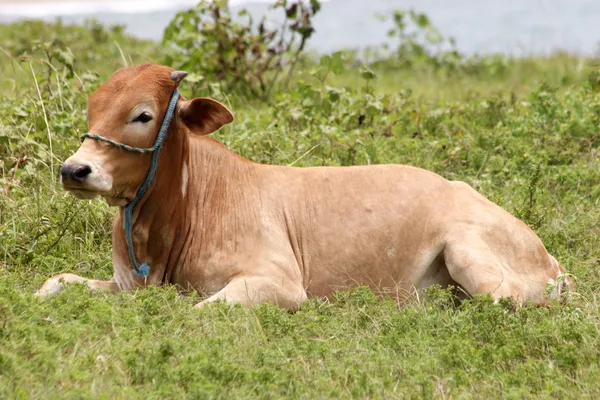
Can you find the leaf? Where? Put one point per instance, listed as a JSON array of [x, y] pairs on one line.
[[374, 107], [399, 19], [334, 94], [18, 111], [89, 77], [422, 20], [194, 78], [292, 11], [315, 6], [337, 63], [433, 36], [65, 56], [367, 74]]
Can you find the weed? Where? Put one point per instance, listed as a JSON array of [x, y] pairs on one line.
[[238, 55]]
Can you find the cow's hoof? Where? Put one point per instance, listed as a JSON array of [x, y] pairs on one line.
[[50, 287], [200, 305]]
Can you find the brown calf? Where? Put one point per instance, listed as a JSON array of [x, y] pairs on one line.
[[232, 229]]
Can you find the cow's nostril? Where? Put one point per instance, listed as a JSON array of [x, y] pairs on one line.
[[75, 172], [82, 171]]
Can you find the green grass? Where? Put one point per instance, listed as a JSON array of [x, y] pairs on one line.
[[526, 135]]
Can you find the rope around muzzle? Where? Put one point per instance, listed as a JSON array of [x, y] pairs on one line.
[[141, 270]]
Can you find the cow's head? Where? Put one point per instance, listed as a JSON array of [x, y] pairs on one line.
[[129, 109]]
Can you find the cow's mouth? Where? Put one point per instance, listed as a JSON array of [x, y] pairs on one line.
[[83, 194]]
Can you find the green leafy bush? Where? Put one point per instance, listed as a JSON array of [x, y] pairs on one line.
[[215, 47], [418, 42]]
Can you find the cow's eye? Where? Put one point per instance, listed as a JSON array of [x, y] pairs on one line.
[[143, 118]]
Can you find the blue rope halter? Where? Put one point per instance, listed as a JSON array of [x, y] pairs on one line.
[[141, 270]]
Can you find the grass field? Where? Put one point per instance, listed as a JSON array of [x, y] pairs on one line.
[[524, 132]]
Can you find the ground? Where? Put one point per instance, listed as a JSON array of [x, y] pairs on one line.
[[523, 132]]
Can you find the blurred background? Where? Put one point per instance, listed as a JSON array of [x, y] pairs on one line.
[[515, 27]]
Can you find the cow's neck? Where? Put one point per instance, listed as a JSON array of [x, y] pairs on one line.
[[223, 223], [224, 190], [200, 187], [156, 218]]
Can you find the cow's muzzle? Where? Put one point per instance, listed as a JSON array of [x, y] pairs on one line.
[[75, 174]]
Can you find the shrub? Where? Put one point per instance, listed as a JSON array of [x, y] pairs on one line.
[[234, 53]]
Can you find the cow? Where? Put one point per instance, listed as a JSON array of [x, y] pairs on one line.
[[231, 229]]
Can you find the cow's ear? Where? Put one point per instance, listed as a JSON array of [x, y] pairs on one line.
[[203, 116]]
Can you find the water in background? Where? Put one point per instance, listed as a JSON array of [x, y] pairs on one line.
[[479, 26]]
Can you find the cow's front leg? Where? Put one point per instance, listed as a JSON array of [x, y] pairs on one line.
[[57, 283], [251, 291]]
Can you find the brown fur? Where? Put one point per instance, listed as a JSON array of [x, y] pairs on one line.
[[245, 232]]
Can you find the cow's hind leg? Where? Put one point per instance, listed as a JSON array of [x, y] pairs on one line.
[[475, 267], [252, 291], [57, 283]]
